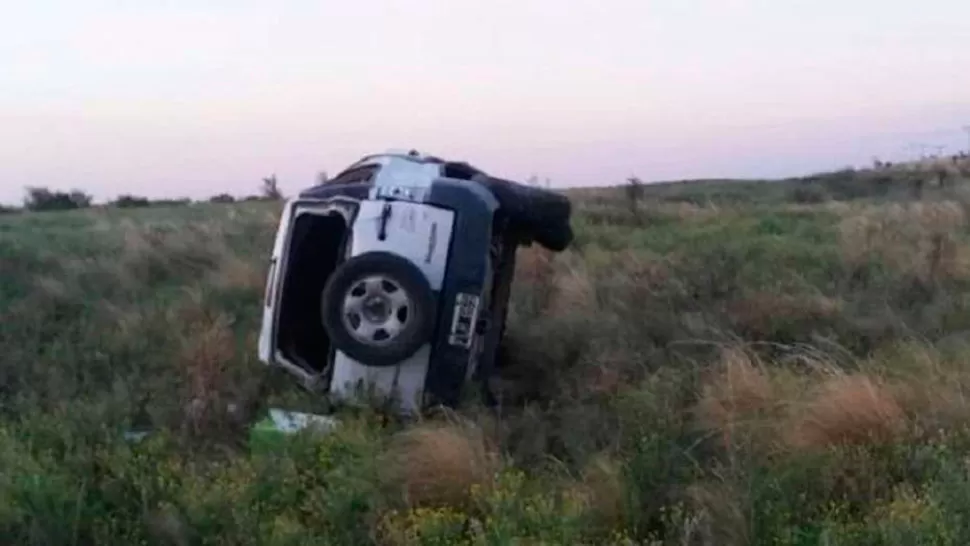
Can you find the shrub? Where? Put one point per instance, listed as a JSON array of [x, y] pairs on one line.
[[43, 199], [131, 201], [438, 465], [809, 194], [222, 198]]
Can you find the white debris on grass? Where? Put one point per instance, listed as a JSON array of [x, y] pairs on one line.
[[292, 422]]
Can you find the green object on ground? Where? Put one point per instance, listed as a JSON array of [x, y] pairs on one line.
[[270, 432]]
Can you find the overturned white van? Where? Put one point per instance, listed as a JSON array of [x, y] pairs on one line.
[[392, 279]]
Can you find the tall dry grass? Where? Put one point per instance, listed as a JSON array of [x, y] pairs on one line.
[[768, 409], [919, 240], [846, 409], [741, 401], [758, 314], [206, 356], [601, 486], [436, 464]]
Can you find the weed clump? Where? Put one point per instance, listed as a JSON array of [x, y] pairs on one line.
[[440, 464]]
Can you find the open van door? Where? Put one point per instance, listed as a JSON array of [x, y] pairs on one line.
[[310, 243], [267, 332]]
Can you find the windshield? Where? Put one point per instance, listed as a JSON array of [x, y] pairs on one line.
[[355, 175]]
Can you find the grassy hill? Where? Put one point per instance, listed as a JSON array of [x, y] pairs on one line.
[[725, 362]]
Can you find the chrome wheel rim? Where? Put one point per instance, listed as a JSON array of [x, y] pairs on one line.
[[376, 310]]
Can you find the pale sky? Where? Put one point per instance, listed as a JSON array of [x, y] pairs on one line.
[[192, 98]]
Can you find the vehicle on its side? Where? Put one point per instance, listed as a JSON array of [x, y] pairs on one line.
[[392, 279]]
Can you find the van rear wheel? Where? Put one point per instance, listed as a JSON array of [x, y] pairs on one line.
[[378, 308]]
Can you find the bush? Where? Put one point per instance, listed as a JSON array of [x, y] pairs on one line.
[[131, 201], [43, 199], [222, 198], [809, 194]]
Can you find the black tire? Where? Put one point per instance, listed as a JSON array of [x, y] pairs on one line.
[[541, 214], [417, 329], [555, 238]]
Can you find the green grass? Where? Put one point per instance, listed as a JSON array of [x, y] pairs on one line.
[[732, 369]]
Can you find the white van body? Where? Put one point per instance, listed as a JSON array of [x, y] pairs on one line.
[[417, 231]]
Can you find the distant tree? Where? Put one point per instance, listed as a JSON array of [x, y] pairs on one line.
[[131, 201], [81, 199], [43, 199], [222, 198], [270, 189], [634, 193]]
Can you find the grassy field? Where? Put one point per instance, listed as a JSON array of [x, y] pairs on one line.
[[713, 364]]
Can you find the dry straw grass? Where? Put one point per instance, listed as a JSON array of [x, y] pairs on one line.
[[535, 271], [838, 208], [759, 313], [202, 247], [935, 166], [438, 464], [152, 248], [687, 212], [207, 350], [739, 400], [932, 388], [718, 516], [642, 269], [774, 411], [574, 290], [534, 265], [847, 409], [915, 239], [617, 211], [235, 272], [602, 489]]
